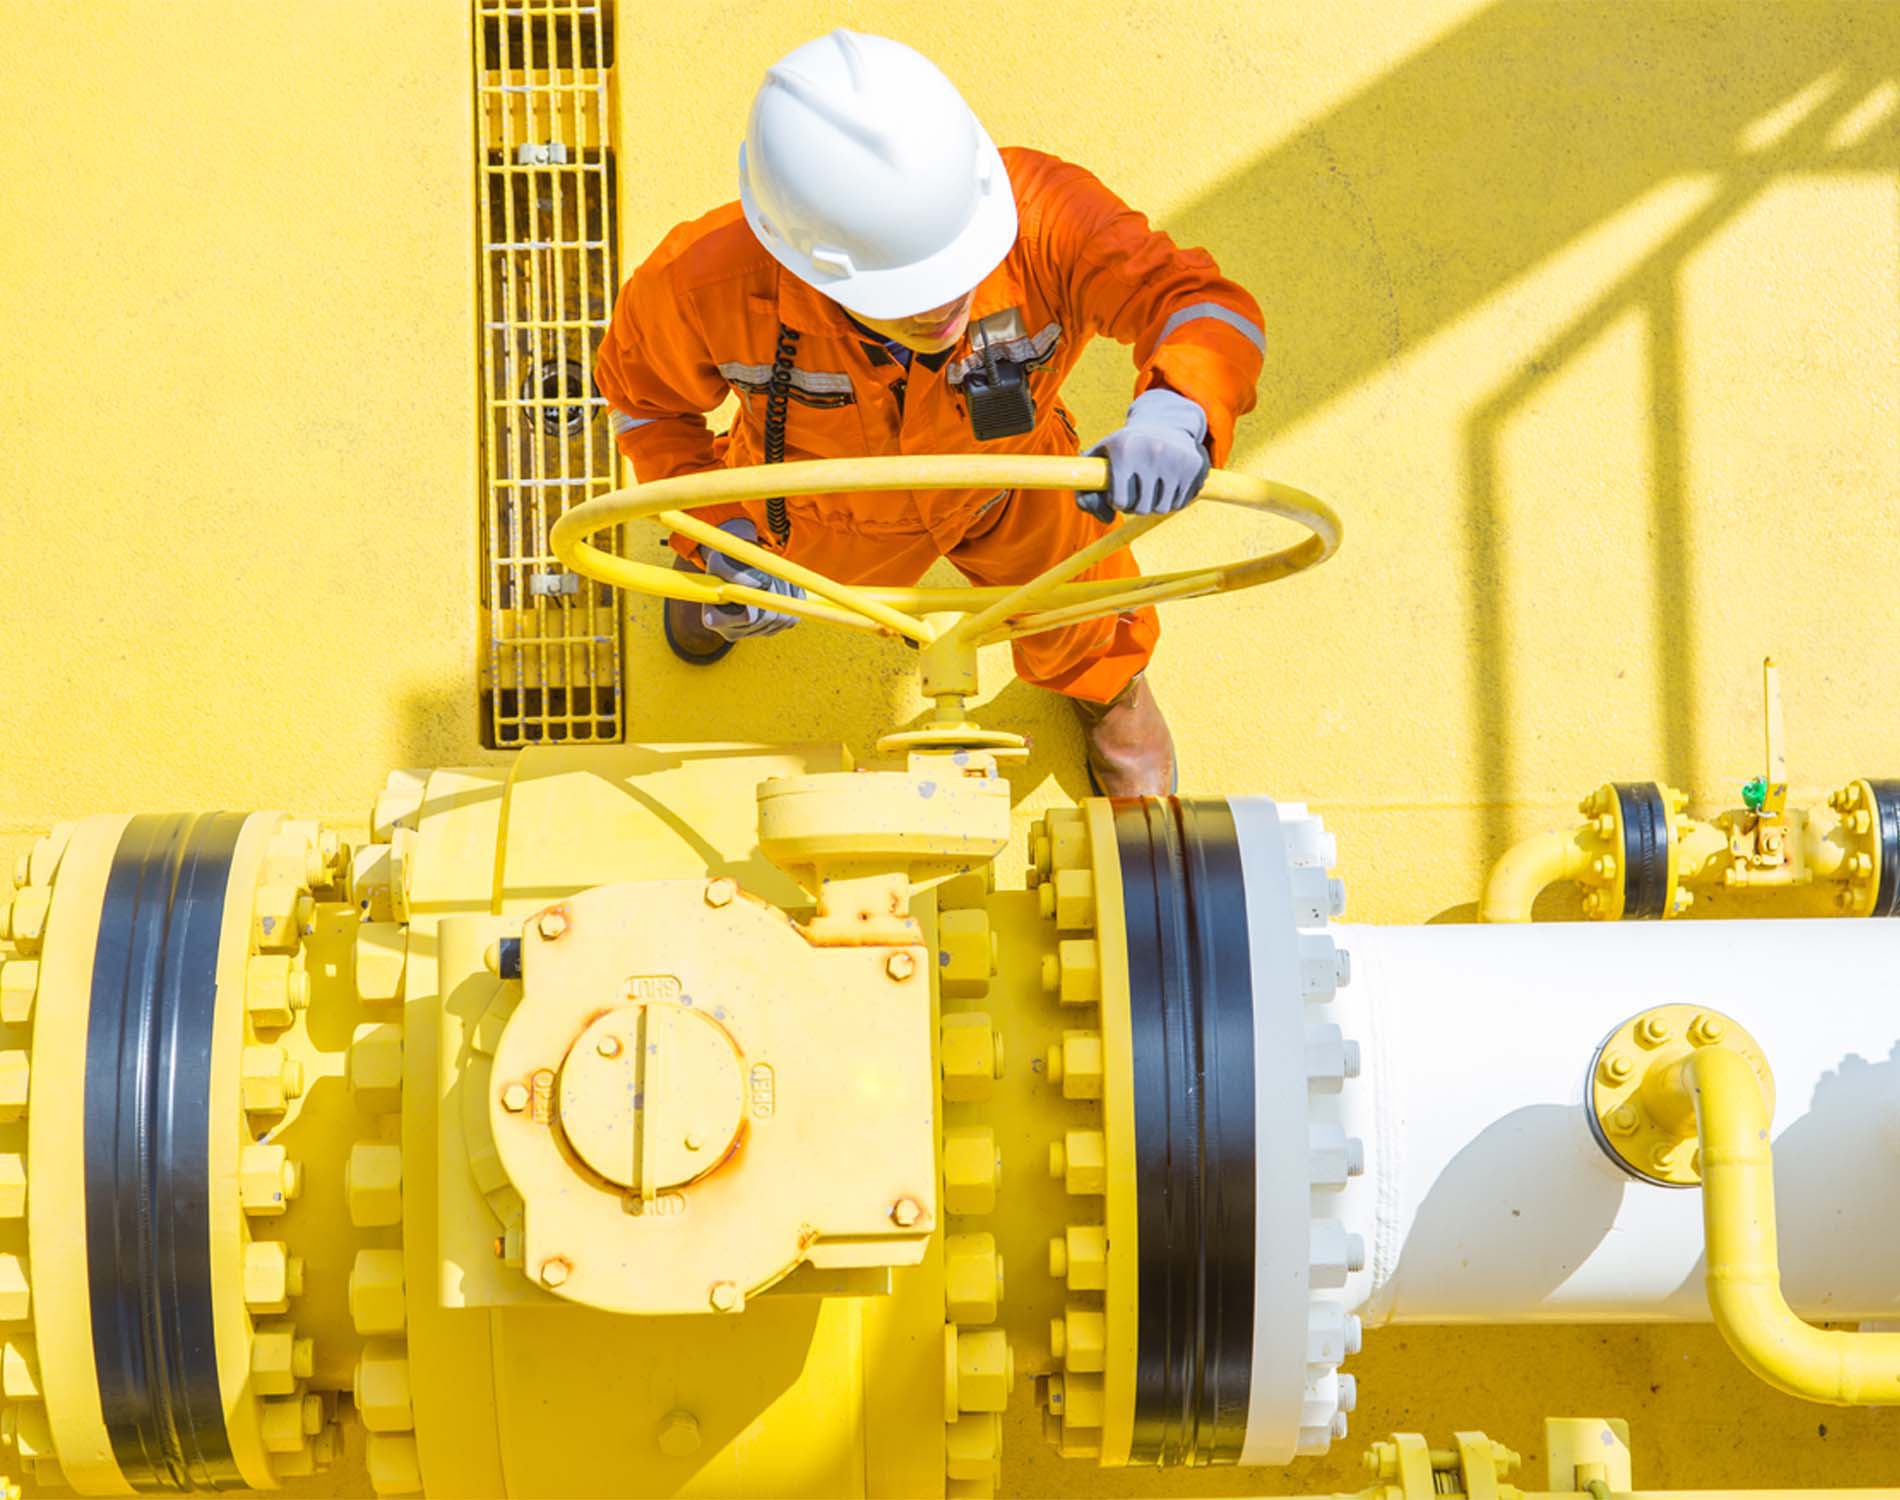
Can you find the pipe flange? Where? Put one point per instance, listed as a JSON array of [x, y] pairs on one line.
[[1645, 1124], [1870, 823]]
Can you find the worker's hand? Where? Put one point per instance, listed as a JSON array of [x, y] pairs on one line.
[[736, 620], [1157, 460]]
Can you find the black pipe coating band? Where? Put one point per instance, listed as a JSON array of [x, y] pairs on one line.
[[1191, 1030], [1645, 850], [1887, 824], [147, 1151]]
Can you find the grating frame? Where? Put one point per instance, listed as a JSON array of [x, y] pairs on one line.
[[552, 662]]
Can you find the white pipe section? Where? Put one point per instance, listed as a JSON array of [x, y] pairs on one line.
[[1485, 1196]]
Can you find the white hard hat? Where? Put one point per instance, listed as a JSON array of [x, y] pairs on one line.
[[864, 173]]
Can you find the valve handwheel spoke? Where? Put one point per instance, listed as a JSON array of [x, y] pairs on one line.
[[990, 614]]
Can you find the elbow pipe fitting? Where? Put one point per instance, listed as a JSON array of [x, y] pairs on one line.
[[1744, 1279], [1677, 1074], [1528, 868], [1626, 853]]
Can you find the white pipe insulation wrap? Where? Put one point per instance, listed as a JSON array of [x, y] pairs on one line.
[[1486, 1197]]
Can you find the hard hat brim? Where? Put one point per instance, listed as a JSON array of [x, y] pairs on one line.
[[903, 291]]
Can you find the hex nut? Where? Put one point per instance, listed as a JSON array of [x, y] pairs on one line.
[[376, 1067], [19, 983], [269, 1282], [265, 1078], [1079, 962], [20, 1369], [986, 1370], [1084, 1338], [282, 1424], [972, 1169], [12, 1185], [376, 1292], [267, 1179], [25, 923], [1082, 1064], [1083, 1161], [380, 955], [372, 1184], [1074, 900], [972, 1278], [973, 1447], [394, 1467], [276, 987], [1068, 839], [968, 1057], [381, 1387], [16, 1076], [1085, 1257], [16, 1293], [274, 1359], [963, 953], [278, 917]]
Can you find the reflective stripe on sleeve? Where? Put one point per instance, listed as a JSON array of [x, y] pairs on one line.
[[1255, 335], [620, 422]]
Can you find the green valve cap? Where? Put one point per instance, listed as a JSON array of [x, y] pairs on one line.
[[1754, 794]]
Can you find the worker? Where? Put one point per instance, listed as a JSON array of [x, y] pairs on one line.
[[889, 282]]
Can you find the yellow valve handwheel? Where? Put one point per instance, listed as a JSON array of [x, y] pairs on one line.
[[989, 614]]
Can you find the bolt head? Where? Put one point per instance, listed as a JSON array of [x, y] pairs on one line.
[[679, 1435], [551, 925], [724, 1296], [1705, 1031], [1623, 1120], [554, 1270], [514, 1098], [1653, 1031], [608, 1046], [720, 892], [900, 966], [906, 1212], [1617, 1067], [1662, 1154], [1592, 903]]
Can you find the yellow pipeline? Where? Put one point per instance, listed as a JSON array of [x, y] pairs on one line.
[[1744, 1277], [1528, 868]]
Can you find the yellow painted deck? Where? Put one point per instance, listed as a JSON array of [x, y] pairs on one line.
[[1586, 318]]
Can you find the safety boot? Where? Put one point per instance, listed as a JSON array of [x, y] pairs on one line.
[[1130, 752], [685, 626]]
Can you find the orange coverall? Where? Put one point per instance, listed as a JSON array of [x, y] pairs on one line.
[[701, 318]]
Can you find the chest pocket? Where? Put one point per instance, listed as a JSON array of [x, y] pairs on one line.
[[822, 418]]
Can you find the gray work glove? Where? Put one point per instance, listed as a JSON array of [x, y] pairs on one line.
[[734, 621], [1157, 458]]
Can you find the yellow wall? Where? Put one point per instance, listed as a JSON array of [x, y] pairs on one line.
[[1587, 318]]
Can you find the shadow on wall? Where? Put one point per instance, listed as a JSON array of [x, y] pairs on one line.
[[1484, 155]]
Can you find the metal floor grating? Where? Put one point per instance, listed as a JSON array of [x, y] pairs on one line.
[[551, 664]]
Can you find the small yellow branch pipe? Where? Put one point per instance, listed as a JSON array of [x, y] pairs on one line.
[[1528, 868], [1744, 1276]]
